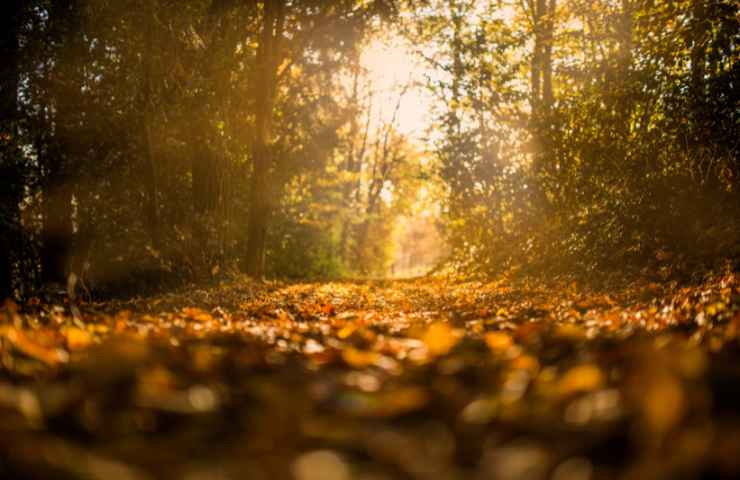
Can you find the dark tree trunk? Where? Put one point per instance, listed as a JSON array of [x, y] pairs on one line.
[[355, 159], [541, 96], [259, 213], [57, 231], [625, 100], [11, 180], [151, 209], [206, 190], [206, 171], [261, 201], [698, 57], [205, 182]]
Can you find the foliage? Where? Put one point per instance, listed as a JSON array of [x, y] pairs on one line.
[[137, 142], [630, 150]]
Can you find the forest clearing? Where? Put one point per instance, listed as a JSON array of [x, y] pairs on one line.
[[370, 239]]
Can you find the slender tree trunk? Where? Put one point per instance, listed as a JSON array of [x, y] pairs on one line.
[[261, 201], [57, 210], [458, 66], [57, 231], [626, 45], [541, 97], [549, 38], [11, 180], [350, 162], [206, 171], [355, 161], [537, 56], [151, 209], [625, 42], [698, 55]]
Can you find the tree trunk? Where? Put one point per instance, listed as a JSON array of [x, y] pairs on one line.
[[541, 96], [698, 56], [10, 14], [625, 42], [350, 162], [624, 99], [57, 231], [455, 124], [355, 161], [261, 201], [207, 172], [151, 209], [537, 56], [549, 38], [259, 213]]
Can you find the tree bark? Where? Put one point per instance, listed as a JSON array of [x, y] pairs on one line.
[[261, 201]]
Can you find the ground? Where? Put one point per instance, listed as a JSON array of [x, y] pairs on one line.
[[428, 379]]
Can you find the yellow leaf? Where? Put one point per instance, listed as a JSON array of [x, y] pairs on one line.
[[582, 378], [197, 314], [663, 404], [498, 342], [77, 338], [526, 362], [387, 404], [347, 331], [48, 355], [359, 358], [440, 338], [571, 332]]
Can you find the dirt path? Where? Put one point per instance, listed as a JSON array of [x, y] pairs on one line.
[[408, 380]]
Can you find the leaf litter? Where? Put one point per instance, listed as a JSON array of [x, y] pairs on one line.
[[425, 379]]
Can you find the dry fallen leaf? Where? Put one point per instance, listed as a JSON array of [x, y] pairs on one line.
[[77, 338], [498, 342], [359, 358], [663, 403], [582, 378], [440, 338]]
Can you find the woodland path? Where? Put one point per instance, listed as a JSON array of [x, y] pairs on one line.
[[410, 380]]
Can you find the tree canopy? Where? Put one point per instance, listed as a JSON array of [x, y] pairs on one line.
[[146, 142]]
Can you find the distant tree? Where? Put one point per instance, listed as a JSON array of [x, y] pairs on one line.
[[292, 32]]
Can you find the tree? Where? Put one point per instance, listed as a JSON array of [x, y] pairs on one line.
[[269, 57], [11, 191], [64, 152], [292, 33]]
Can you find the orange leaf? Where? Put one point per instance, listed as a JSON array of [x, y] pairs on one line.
[[440, 338]]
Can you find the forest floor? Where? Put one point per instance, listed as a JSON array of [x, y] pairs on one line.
[[419, 379]]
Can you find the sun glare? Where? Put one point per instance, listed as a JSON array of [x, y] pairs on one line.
[[392, 68]]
